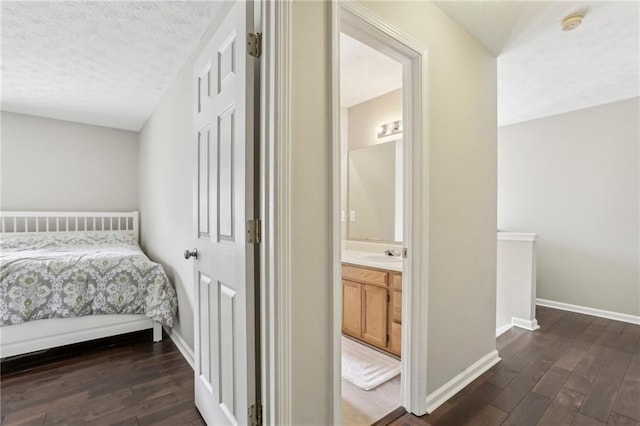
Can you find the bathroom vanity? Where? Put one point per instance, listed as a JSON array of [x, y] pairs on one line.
[[372, 303]]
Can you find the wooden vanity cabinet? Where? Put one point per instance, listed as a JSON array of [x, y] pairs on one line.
[[374, 315], [351, 308], [395, 318], [372, 306]]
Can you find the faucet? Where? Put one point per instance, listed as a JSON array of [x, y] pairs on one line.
[[389, 252]]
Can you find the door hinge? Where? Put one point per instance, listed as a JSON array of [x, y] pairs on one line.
[[254, 231], [255, 414], [254, 44], [404, 252], [387, 339], [388, 298]]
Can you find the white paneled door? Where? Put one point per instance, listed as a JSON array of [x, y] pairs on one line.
[[225, 318]]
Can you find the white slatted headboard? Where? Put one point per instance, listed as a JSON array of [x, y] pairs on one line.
[[43, 222]]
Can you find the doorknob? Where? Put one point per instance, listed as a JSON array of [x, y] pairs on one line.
[[191, 253]]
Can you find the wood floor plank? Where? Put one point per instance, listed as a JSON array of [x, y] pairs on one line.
[[529, 411], [584, 374], [599, 401], [551, 382], [582, 420], [563, 408], [603, 393], [488, 416], [391, 417], [616, 419], [178, 411], [573, 368], [29, 420], [628, 400], [629, 338], [513, 394], [110, 385], [468, 407]]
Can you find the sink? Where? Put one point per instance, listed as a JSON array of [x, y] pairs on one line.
[[381, 258]]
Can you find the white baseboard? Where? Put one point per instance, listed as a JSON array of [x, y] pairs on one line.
[[455, 385], [182, 346], [617, 316], [503, 329], [530, 325]]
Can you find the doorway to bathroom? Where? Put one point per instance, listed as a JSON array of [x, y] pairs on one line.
[[371, 231], [380, 218]]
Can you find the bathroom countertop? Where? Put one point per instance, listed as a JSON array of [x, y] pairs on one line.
[[357, 257]]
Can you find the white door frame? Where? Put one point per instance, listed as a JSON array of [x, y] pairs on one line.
[[358, 22], [275, 201], [275, 188]]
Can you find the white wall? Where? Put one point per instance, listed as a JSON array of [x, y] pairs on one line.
[[50, 165], [310, 214], [462, 172], [574, 180], [366, 117], [516, 281], [166, 201]]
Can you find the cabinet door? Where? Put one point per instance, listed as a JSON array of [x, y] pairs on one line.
[[396, 306], [395, 338], [351, 308], [395, 320], [374, 315]]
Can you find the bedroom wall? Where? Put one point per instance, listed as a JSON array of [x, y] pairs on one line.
[[166, 193], [462, 121], [166, 203], [574, 180], [52, 164]]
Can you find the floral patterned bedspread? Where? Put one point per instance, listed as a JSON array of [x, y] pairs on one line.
[[76, 274]]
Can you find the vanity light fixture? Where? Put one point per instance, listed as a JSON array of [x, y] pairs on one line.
[[389, 129]]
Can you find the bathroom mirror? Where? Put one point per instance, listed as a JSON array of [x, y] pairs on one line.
[[375, 193]]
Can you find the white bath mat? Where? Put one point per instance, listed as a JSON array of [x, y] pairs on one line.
[[366, 368]]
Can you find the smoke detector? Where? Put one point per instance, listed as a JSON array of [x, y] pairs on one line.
[[571, 22]]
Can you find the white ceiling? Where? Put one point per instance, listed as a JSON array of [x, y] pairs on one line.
[[109, 63], [544, 71], [104, 63], [365, 73]]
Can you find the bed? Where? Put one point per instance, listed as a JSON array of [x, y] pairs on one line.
[[68, 277]]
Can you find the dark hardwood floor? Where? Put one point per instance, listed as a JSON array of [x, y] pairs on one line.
[[127, 381], [575, 370]]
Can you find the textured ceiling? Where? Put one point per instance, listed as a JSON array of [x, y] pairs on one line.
[[106, 63], [544, 71], [365, 73]]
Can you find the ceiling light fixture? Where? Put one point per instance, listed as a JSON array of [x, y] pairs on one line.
[[571, 21]]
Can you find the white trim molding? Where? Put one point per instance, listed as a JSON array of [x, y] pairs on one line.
[[616, 316], [336, 228], [516, 236], [360, 23], [455, 385], [278, 27], [503, 329], [530, 325], [183, 347]]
